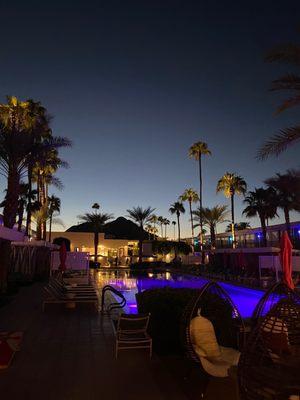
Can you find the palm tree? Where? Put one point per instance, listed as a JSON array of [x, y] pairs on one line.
[[177, 208], [289, 54], [166, 223], [174, 225], [53, 206], [160, 219], [15, 146], [211, 217], [261, 202], [191, 196], [231, 184], [287, 192], [154, 220], [97, 221], [141, 216], [238, 226], [196, 151]]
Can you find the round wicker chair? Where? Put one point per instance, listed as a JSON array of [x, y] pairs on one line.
[[270, 362], [275, 293], [216, 305]]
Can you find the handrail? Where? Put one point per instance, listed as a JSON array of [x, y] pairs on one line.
[[113, 305]]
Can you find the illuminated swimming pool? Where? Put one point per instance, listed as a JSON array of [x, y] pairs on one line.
[[244, 298]]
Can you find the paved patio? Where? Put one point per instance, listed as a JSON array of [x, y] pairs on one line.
[[68, 355]]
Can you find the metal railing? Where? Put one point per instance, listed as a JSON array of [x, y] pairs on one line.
[[113, 305]]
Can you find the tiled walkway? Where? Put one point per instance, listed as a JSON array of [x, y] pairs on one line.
[[68, 355]]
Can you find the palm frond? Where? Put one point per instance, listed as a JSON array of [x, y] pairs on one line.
[[288, 103], [285, 53], [286, 82], [279, 142]]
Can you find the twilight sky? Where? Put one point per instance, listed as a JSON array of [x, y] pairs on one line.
[[135, 83]]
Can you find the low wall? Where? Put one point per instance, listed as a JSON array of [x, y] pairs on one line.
[[11, 234]]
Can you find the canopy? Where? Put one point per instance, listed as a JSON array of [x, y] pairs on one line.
[[286, 260]]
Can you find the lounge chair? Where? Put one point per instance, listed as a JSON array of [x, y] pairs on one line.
[[54, 295], [72, 288], [131, 333]]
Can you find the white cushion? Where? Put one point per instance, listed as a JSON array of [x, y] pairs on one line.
[[216, 360], [204, 338]]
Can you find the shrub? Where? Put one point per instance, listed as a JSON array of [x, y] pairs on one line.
[[166, 307]]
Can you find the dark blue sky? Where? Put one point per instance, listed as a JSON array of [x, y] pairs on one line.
[[135, 83]]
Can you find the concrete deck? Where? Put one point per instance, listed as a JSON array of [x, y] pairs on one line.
[[68, 355]]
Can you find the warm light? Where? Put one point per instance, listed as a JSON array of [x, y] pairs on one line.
[[150, 274]]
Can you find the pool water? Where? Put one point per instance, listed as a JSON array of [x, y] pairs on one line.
[[244, 298]]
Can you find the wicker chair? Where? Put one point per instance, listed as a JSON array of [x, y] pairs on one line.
[[270, 362], [217, 306], [279, 291]]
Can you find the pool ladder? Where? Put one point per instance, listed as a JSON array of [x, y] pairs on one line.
[[112, 305]]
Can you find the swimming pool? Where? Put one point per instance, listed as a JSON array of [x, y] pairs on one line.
[[244, 298]]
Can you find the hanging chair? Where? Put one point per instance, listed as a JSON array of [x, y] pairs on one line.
[[270, 362], [216, 309], [275, 293]]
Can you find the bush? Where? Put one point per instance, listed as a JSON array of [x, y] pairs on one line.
[[166, 307]]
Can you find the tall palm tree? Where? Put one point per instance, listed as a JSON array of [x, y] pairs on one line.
[[174, 226], [191, 196], [211, 217], [231, 184], [53, 206], [15, 146], [166, 223], [160, 220], [97, 221], [288, 54], [177, 208], [141, 216], [287, 189], [26, 197], [197, 151], [154, 220], [262, 203]]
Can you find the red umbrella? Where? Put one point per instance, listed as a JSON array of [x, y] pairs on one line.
[[286, 260], [63, 256]]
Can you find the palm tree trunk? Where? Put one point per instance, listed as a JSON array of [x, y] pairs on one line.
[[96, 241], [287, 220], [20, 217], [212, 236], [264, 230], [29, 204], [44, 222], [11, 199], [141, 245], [50, 227], [232, 221], [162, 230], [178, 223], [192, 222], [200, 198]]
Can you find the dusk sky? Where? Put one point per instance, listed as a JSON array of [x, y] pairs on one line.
[[134, 83]]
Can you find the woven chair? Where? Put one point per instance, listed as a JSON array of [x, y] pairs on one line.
[[279, 291], [270, 362], [216, 305]]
